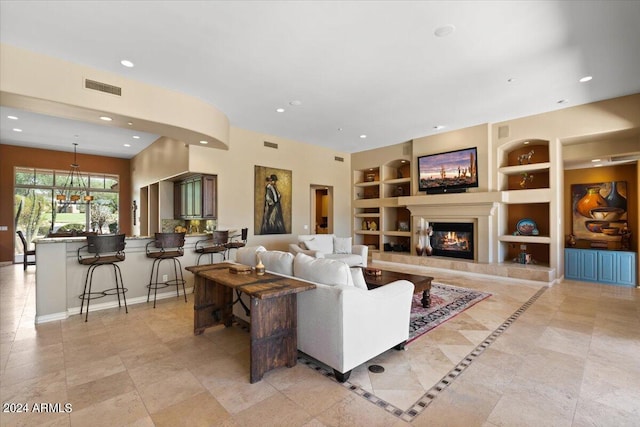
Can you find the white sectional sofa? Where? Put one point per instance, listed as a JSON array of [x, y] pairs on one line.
[[341, 323], [332, 247]]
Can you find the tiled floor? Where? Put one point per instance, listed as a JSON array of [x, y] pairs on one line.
[[569, 357]]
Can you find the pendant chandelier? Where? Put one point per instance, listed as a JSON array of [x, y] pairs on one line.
[[74, 185]]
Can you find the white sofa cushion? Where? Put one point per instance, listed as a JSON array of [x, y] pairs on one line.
[[278, 262], [318, 242], [248, 255], [341, 245], [358, 278], [322, 270]]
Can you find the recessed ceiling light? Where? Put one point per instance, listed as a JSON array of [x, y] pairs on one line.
[[295, 102], [12, 118], [511, 80], [136, 137], [130, 124], [204, 142], [127, 145], [17, 130], [585, 79], [279, 110], [340, 129], [596, 160], [526, 142], [126, 63], [438, 127], [598, 165], [563, 101], [106, 118], [363, 136], [444, 31]]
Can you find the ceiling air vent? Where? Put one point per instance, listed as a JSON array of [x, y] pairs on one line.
[[338, 159], [271, 144], [102, 87]]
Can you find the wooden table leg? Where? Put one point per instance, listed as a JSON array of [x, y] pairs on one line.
[[212, 304], [274, 339]]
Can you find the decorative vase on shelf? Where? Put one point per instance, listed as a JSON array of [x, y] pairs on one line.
[[593, 199], [428, 249], [615, 199], [419, 246]]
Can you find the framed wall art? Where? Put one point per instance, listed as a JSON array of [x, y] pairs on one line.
[[599, 210], [272, 206]]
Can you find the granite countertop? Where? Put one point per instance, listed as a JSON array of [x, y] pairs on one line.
[[76, 239]]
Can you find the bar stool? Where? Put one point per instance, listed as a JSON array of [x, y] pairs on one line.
[[165, 246], [217, 244], [237, 244], [102, 250]]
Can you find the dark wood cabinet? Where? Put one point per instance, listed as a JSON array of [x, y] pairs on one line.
[[196, 197]]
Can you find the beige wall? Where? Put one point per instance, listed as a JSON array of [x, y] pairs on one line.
[[476, 136], [310, 165]]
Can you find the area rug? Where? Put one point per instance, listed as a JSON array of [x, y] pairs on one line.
[[446, 302]]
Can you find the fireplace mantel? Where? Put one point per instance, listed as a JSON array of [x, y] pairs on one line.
[[479, 208]]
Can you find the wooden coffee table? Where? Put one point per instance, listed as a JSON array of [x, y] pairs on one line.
[[421, 283]]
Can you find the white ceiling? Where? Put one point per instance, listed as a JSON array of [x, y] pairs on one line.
[[357, 67]]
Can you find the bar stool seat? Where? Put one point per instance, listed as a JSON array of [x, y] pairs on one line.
[[236, 244], [217, 244], [102, 250], [166, 246]]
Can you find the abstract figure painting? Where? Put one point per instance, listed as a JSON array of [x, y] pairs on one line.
[[272, 209], [599, 210]]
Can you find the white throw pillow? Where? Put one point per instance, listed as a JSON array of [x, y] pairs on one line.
[[358, 278], [313, 245], [322, 270], [247, 255], [278, 262], [342, 245]]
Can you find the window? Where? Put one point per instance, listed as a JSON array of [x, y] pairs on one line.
[[37, 212]]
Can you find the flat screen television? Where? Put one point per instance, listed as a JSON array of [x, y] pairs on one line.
[[450, 172]]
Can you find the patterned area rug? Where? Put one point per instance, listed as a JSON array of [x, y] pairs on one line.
[[446, 302]]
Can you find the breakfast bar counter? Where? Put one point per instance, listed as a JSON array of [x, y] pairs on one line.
[[60, 278]]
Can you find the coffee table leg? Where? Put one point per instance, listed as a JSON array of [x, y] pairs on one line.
[[426, 298]]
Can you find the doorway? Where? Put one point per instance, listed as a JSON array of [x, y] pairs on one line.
[[321, 209]]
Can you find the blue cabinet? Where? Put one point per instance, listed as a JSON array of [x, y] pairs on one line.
[[615, 267]]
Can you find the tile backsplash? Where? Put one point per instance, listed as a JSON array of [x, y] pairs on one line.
[[193, 226]]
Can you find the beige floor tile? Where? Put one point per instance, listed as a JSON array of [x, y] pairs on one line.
[[316, 393], [271, 412], [126, 408], [170, 390], [573, 353], [357, 412], [90, 393], [199, 410]]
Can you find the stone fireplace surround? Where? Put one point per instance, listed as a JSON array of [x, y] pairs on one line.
[[479, 208]]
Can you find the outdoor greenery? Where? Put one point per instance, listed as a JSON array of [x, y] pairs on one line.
[[36, 212]]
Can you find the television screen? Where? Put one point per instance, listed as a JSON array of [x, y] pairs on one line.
[[453, 171]]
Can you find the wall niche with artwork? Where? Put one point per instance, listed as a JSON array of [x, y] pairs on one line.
[[600, 204]]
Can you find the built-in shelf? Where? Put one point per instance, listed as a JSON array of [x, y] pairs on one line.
[[397, 233], [530, 168], [525, 239]]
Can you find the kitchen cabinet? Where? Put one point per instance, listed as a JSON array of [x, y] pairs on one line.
[[196, 197], [614, 267]]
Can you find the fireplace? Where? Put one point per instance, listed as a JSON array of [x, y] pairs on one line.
[[453, 239]]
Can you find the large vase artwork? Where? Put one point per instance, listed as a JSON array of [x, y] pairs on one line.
[[599, 210], [593, 199]]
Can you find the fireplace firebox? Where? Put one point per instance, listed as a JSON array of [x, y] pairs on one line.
[[453, 239]]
